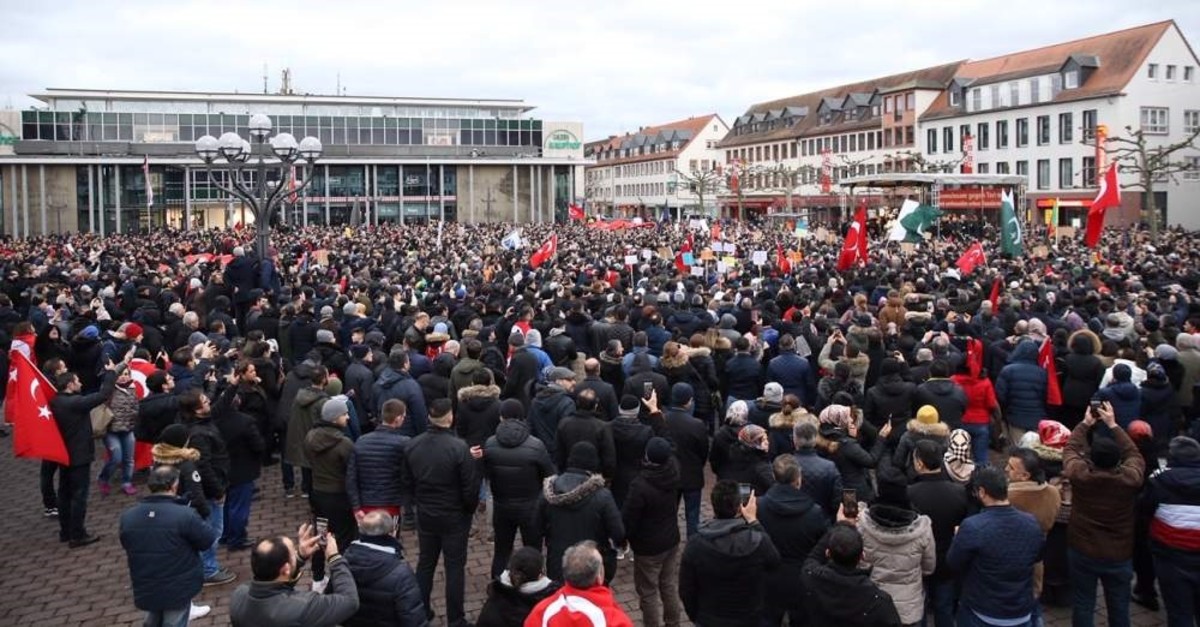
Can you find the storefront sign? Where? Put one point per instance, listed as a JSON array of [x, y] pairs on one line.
[[563, 140], [9, 140]]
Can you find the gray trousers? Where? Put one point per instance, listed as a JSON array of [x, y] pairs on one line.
[[656, 579]]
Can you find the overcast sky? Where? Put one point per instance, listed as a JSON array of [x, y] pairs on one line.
[[613, 64]]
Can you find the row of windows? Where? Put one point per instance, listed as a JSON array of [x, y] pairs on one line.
[[642, 189], [897, 137], [171, 127], [1189, 72], [985, 140], [645, 168]]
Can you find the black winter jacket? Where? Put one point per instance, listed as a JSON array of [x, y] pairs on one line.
[[575, 506], [373, 472], [191, 491], [439, 474], [946, 396], [155, 413], [213, 465], [795, 524], [72, 412], [507, 606], [478, 413], [651, 509], [516, 464], [606, 396], [689, 438], [162, 540], [845, 597], [387, 588], [550, 407], [584, 427], [243, 442], [890, 398], [723, 440], [630, 436], [748, 465], [743, 377], [723, 572], [945, 503]]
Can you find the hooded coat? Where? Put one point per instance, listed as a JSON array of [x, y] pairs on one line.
[[1082, 371], [388, 593], [1126, 400], [184, 460], [899, 545], [551, 405], [891, 398], [723, 572], [306, 412], [478, 413], [795, 524], [400, 385], [750, 465], [575, 506], [516, 463], [1021, 387], [509, 606], [328, 451], [938, 432], [650, 512], [947, 397], [846, 597]]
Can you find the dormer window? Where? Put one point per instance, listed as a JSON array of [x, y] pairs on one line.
[[954, 97], [1071, 79]]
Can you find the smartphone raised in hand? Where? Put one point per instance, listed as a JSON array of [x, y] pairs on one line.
[[745, 490], [647, 390], [322, 526], [850, 503]]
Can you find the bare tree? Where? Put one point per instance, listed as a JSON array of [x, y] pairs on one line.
[[1138, 153], [922, 164], [784, 177], [702, 183]]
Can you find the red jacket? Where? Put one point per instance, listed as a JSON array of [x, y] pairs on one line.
[[981, 398], [571, 607]]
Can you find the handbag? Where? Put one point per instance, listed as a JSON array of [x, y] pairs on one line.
[[101, 416]]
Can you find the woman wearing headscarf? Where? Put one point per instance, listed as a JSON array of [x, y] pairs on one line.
[[838, 441], [748, 460], [959, 460]]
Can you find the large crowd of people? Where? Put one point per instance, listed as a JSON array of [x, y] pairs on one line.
[[898, 443]]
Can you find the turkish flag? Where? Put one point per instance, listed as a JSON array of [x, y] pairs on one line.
[[974, 356], [139, 370], [545, 252], [994, 297], [35, 432], [575, 212], [781, 260], [1108, 196], [855, 246], [971, 258], [1046, 361]]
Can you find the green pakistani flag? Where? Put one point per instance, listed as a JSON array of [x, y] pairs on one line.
[[1011, 242], [918, 221]]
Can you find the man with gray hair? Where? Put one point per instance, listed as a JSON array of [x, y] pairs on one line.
[[387, 588], [822, 481], [583, 595]]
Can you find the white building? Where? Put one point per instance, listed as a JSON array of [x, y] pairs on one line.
[[1034, 113], [1031, 113], [640, 172]]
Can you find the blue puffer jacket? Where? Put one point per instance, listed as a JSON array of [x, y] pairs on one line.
[[795, 374], [372, 474], [163, 540], [1021, 387], [1126, 400], [392, 384]]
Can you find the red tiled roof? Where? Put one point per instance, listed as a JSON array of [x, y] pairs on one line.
[[1121, 53], [693, 125]]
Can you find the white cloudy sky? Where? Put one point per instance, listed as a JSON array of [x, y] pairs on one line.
[[613, 64]]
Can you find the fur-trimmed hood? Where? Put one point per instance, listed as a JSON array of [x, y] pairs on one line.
[[173, 455], [478, 391], [571, 488], [702, 351], [1047, 453], [935, 430], [1081, 340], [678, 361], [780, 420]]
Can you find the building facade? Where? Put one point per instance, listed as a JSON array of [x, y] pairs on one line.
[[1031, 113], [77, 163], [657, 168]]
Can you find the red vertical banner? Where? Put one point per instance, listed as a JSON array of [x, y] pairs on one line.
[[968, 148], [826, 171]]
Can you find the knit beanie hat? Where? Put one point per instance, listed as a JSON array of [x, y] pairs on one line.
[[928, 415], [334, 386], [174, 435], [773, 393], [959, 463], [1030, 440], [837, 415], [1139, 430], [1121, 372], [658, 451], [737, 413], [583, 456], [1165, 352], [325, 336], [335, 408], [681, 394], [1053, 434], [512, 409], [1183, 450]]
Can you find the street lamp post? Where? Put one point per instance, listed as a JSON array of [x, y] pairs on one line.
[[237, 153]]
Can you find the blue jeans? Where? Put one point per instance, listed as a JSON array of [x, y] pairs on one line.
[[1179, 579], [940, 596], [216, 520], [981, 436], [691, 511], [237, 512], [1115, 576], [120, 452], [169, 618], [967, 618]]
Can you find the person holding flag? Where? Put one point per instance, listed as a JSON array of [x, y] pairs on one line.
[[971, 259], [1108, 196], [1011, 241], [72, 412], [545, 252], [781, 260], [854, 249]]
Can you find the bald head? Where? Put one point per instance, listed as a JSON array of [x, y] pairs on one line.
[[377, 523], [591, 367]]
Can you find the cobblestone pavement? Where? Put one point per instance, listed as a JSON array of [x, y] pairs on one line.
[[47, 584]]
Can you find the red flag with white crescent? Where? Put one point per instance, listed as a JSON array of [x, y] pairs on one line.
[[855, 246], [27, 407]]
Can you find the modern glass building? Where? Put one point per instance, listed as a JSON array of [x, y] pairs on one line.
[[77, 163]]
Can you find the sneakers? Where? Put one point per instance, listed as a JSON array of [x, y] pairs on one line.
[[220, 578], [105, 488], [622, 553], [198, 611], [128, 489], [50, 512], [289, 493]]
